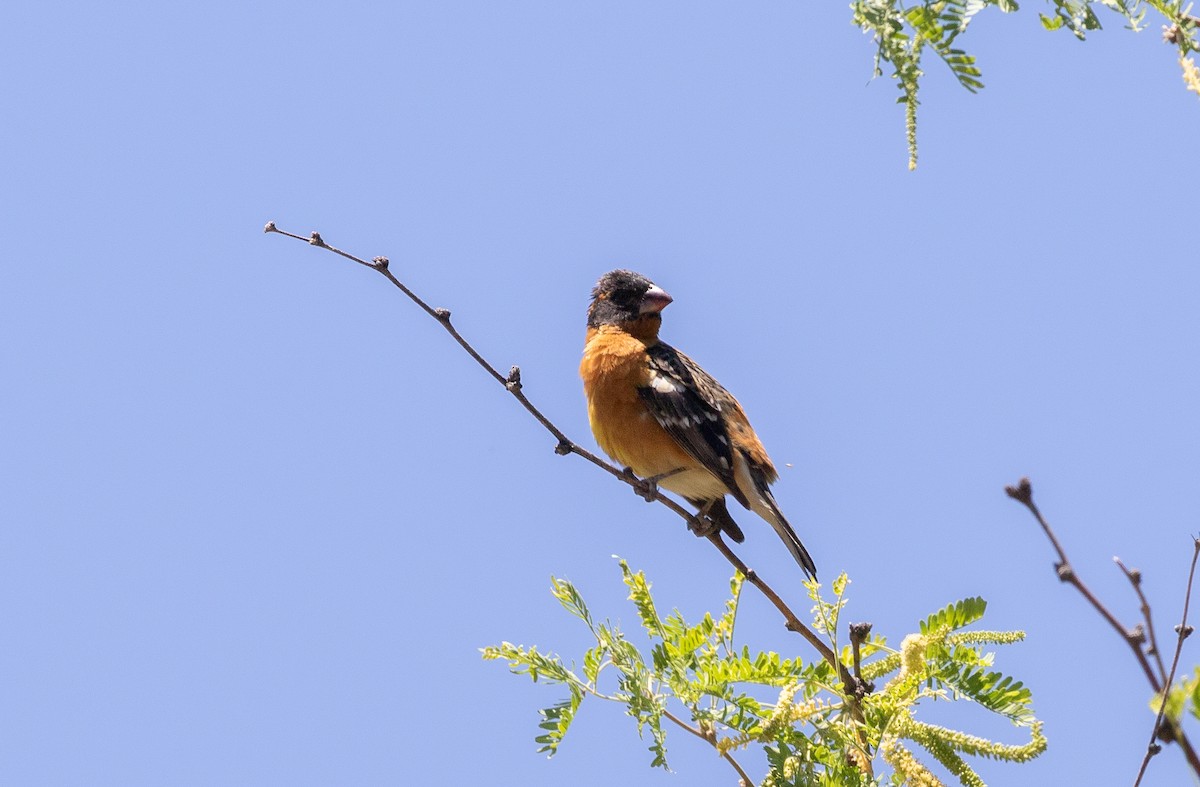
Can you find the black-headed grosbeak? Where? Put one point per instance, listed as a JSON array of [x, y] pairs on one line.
[[655, 411]]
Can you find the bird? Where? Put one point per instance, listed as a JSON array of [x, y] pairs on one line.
[[655, 411]]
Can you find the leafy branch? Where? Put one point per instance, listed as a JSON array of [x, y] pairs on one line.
[[808, 734], [902, 32]]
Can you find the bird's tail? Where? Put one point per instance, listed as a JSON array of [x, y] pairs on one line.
[[770, 512]]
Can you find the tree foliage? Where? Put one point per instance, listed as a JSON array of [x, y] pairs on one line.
[[793, 714], [904, 32]]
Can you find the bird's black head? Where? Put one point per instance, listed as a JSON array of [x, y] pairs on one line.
[[623, 296]]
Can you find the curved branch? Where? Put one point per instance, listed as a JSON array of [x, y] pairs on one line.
[[1164, 729], [854, 689], [1023, 493]]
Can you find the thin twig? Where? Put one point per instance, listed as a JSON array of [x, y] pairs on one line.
[[858, 635], [854, 689], [1184, 631], [711, 739], [1023, 493], [1135, 578], [1169, 731]]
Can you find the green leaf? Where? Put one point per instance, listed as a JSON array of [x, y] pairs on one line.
[[765, 668], [992, 690], [593, 662], [1193, 687], [955, 616], [570, 599], [556, 720], [639, 594]]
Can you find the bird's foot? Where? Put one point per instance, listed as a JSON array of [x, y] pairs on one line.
[[647, 488], [702, 524]]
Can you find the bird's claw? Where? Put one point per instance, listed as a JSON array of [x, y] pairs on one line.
[[703, 527], [702, 524], [645, 488]]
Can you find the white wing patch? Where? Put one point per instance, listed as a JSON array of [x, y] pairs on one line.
[[664, 384]]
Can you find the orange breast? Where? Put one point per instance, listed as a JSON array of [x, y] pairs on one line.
[[614, 366]]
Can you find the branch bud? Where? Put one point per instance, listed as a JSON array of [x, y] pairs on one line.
[[859, 631], [1022, 492]]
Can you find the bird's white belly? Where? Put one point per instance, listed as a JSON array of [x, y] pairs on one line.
[[695, 484]]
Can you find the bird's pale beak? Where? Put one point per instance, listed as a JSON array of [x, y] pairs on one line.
[[655, 300]]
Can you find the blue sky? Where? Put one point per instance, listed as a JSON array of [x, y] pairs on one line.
[[261, 513]]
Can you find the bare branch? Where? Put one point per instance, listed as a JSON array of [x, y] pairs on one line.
[[1184, 631], [708, 735], [1164, 728], [1135, 578], [1023, 493], [511, 382], [858, 635]]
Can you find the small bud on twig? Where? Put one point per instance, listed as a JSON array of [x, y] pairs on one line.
[[381, 262], [316, 240], [442, 314], [860, 631], [513, 383], [270, 227], [1022, 492]]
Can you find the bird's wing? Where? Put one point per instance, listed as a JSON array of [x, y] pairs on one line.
[[688, 403]]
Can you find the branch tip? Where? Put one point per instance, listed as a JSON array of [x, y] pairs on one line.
[[859, 631], [1022, 492], [270, 227]]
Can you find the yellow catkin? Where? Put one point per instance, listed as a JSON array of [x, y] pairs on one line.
[[1191, 74]]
